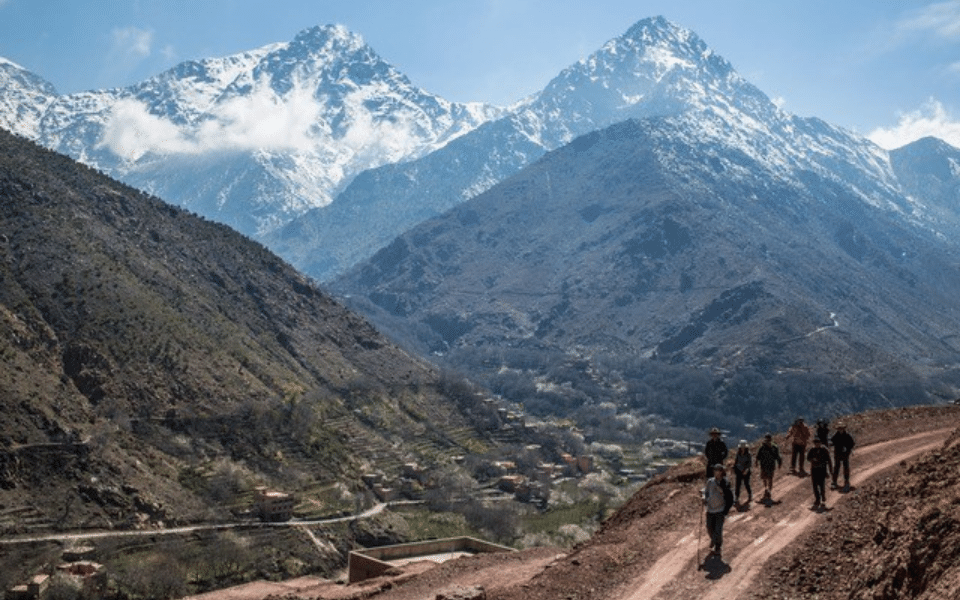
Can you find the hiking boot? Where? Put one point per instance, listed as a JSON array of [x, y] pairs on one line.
[[815, 506], [833, 485]]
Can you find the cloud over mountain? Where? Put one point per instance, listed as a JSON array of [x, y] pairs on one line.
[[931, 119], [262, 120]]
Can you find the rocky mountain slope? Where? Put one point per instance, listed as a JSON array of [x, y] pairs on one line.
[[929, 169], [656, 68], [157, 366], [716, 273], [250, 140]]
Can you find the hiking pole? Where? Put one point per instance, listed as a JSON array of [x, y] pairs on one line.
[[699, 533]]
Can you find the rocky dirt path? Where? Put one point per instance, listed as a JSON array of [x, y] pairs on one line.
[[757, 533]]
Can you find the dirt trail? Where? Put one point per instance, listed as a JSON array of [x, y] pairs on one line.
[[758, 533]]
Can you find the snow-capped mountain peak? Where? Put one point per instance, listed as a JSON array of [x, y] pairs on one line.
[[24, 99], [252, 139]]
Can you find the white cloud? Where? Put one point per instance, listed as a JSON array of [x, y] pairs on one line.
[[168, 53], [129, 47], [131, 131], [261, 121], [931, 119], [941, 18], [371, 140], [132, 41]]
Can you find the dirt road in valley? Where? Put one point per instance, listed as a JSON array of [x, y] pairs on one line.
[[758, 532], [648, 549]]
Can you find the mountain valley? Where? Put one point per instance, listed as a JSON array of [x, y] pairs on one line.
[[319, 279]]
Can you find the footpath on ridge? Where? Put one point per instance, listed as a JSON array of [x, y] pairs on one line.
[[649, 549], [758, 532]]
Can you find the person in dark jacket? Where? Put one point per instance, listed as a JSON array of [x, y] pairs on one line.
[[717, 501], [820, 465], [768, 459], [742, 461], [715, 451], [823, 431], [842, 447]]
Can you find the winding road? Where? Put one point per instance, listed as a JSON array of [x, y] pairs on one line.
[[93, 535]]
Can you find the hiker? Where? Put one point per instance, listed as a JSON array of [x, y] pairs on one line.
[[717, 500], [842, 447], [741, 470], [715, 451], [799, 435], [820, 465], [823, 431], [768, 458]]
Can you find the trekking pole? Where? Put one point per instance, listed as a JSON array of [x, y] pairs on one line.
[[699, 533]]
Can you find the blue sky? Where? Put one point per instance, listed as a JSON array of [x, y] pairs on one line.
[[888, 70]]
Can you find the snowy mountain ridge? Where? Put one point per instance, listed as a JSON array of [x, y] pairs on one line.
[[279, 129], [326, 153], [656, 69]]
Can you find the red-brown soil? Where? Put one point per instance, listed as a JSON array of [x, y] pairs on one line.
[[895, 534]]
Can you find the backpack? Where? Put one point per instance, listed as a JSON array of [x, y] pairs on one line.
[[727, 495]]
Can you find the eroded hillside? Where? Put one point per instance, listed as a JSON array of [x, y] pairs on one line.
[[155, 364], [894, 534]]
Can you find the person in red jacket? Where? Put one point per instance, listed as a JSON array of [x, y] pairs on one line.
[[799, 435]]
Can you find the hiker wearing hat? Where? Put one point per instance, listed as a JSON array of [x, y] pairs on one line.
[[820, 465], [768, 459], [799, 435], [715, 451], [742, 461], [842, 447], [717, 500]]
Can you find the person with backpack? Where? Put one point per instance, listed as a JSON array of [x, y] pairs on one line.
[[842, 447], [768, 459], [715, 451], [717, 501], [823, 431], [799, 435], [820, 465], [742, 461]]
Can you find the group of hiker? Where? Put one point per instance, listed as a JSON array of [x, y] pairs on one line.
[[719, 498]]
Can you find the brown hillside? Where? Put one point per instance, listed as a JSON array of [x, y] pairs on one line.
[[895, 534], [155, 365]]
